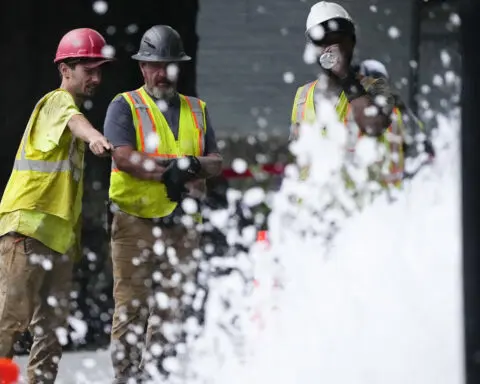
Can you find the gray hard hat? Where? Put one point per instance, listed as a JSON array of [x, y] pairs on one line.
[[161, 43]]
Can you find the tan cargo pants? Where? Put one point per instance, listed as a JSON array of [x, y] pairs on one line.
[[35, 286], [151, 264]]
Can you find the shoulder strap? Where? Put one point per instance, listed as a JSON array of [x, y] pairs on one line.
[[197, 107], [146, 123], [301, 98]]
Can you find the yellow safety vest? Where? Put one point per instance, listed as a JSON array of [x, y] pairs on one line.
[[147, 198], [47, 182], [304, 111]]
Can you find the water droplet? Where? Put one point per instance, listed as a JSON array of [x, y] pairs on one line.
[[159, 247], [131, 29], [157, 231], [239, 165], [254, 196], [310, 54], [288, 77], [157, 276], [47, 264], [446, 58], [152, 141], [100, 7], [88, 104], [156, 349], [455, 19], [437, 80], [108, 51], [52, 301], [190, 206], [317, 33], [131, 338], [149, 165], [163, 301], [62, 335], [393, 32], [262, 122], [172, 72], [111, 30]]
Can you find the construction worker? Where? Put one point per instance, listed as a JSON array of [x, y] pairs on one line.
[[412, 124], [330, 32], [165, 148], [41, 206]]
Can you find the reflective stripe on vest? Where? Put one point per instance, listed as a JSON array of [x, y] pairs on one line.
[[343, 107], [302, 100], [146, 125], [24, 164], [197, 112]]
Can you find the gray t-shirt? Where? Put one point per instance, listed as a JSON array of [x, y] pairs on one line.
[[120, 130]]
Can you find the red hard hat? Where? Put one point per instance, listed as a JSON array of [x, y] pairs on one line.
[[82, 43]]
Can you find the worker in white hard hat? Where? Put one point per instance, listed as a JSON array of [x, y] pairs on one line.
[[330, 33], [413, 125]]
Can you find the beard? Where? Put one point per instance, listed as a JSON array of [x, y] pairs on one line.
[[163, 93]]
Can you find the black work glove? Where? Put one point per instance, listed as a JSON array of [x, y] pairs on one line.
[[178, 173]]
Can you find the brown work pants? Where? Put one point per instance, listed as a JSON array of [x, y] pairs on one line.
[[35, 286], [149, 270]]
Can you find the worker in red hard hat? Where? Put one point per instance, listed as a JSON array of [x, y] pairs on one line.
[[41, 205]]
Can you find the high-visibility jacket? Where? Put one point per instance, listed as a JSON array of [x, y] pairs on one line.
[[148, 198], [47, 182], [304, 111]]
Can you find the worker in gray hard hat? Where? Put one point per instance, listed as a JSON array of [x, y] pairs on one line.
[[165, 148]]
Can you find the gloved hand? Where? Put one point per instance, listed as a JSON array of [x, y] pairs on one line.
[[179, 172]]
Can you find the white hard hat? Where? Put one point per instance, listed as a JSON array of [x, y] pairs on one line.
[[324, 11], [367, 67]]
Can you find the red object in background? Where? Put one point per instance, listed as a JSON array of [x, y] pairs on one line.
[[273, 169], [9, 371], [262, 236]]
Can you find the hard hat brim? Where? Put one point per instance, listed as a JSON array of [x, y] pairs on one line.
[[343, 26], [94, 58], [158, 59], [97, 63]]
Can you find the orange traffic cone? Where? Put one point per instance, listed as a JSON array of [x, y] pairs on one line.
[[262, 236], [9, 371]]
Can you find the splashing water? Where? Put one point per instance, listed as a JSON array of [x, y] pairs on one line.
[[379, 303]]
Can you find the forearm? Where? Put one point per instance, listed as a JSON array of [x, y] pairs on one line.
[[82, 129], [371, 101], [369, 118], [211, 166], [138, 165]]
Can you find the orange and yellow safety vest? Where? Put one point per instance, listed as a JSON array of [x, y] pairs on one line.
[[304, 111], [146, 198]]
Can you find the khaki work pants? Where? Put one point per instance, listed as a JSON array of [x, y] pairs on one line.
[[150, 270], [35, 286]]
